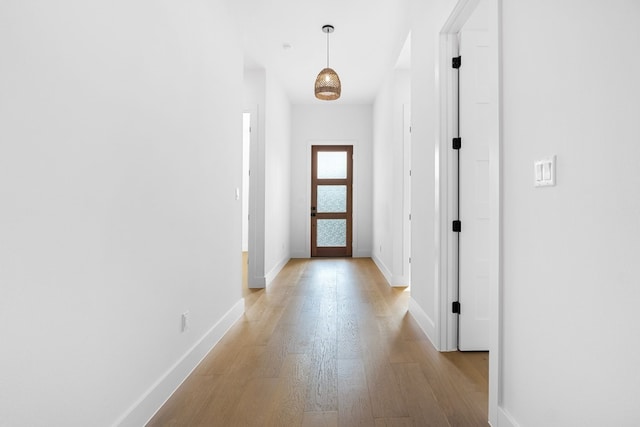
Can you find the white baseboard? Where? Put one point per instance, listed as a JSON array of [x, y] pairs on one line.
[[257, 282], [399, 281], [361, 254], [424, 321], [383, 269], [505, 419], [275, 270], [307, 254], [145, 408], [392, 279], [303, 254]]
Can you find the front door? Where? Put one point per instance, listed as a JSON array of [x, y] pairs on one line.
[[331, 200]]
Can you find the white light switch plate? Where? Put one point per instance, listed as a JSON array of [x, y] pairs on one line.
[[544, 172]]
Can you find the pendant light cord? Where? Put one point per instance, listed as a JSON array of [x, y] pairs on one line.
[[327, 49]]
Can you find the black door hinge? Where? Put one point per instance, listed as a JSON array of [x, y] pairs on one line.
[[455, 307], [456, 62], [457, 226], [457, 143]]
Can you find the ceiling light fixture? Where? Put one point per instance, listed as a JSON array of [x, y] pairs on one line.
[[328, 85]]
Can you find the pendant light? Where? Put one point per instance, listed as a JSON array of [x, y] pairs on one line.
[[328, 86]]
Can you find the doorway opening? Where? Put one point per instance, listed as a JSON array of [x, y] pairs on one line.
[[246, 156], [482, 112], [331, 209]]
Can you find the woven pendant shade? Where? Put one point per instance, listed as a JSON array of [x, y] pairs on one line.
[[328, 85]]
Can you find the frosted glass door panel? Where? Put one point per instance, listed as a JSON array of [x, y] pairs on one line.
[[332, 232], [332, 198], [332, 165]]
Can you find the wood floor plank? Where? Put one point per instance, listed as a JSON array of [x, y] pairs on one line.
[[222, 357], [384, 389], [394, 422], [400, 351], [221, 408], [253, 408], [187, 402], [378, 303], [329, 343], [348, 332], [419, 397], [320, 419], [322, 391], [303, 337], [450, 388], [292, 311], [288, 402], [354, 404], [267, 324]]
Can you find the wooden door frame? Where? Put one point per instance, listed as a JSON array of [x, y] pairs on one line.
[[355, 207], [330, 251]]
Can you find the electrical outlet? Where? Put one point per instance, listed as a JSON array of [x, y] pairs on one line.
[[185, 321]]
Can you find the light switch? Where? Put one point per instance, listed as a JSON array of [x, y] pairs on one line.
[[538, 168], [545, 172], [237, 193]]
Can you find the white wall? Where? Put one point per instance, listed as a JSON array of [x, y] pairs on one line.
[[120, 153], [571, 271], [388, 182], [270, 175], [328, 123], [277, 178]]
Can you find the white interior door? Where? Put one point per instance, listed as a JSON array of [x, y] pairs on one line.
[[406, 259], [476, 115]]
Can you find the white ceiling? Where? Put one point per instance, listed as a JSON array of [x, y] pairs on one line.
[[366, 44]]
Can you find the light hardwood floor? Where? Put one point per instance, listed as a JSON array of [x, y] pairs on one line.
[[329, 343]]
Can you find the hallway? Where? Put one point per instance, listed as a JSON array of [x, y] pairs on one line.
[[329, 343]]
